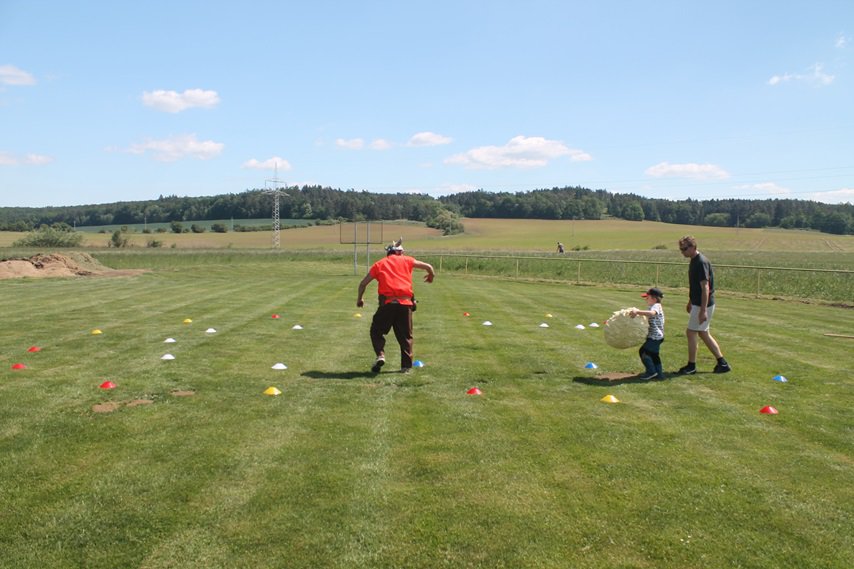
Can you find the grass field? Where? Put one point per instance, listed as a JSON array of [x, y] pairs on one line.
[[349, 469]]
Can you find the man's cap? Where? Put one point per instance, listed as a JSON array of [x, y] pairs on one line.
[[396, 246], [654, 291]]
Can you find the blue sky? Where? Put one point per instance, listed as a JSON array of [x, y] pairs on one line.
[[104, 101]]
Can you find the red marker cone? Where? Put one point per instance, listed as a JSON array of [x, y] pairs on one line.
[[107, 385], [275, 316], [19, 366], [768, 410], [474, 391], [34, 349], [466, 314]]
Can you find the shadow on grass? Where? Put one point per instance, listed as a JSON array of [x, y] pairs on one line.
[[605, 381], [339, 374], [393, 378]]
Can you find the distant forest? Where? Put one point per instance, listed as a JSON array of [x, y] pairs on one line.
[[319, 203]]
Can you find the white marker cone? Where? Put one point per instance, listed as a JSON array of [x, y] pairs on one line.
[[579, 326], [210, 331], [594, 324], [544, 325], [296, 327], [169, 341], [167, 357], [487, 323], [280, 366]]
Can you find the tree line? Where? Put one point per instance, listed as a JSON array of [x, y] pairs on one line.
[[323, 203]]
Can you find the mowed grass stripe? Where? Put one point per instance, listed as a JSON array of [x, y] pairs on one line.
[[349, 469]]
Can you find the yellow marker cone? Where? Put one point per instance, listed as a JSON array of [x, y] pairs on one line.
[[357, 315], [609, 399], [95, 332], [548, 315], [187, 321], [272, 391]]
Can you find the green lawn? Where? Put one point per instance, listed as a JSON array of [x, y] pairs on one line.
[[348, 469]]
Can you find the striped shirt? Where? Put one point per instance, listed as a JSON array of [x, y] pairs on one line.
[[656, 323]]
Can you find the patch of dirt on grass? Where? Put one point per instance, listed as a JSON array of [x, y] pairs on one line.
[[179, 393], [108, 407], [72, 264]]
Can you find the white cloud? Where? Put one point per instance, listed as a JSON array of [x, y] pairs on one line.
[[7, 159], [519, 152], [693, 171], [428, 139], [11, 75], [269, 164], [171, 149], [174, 102], [815, 76], [37, 159], [842, 195], [842, 41], [381, 144], [765, 188], [351, 144]]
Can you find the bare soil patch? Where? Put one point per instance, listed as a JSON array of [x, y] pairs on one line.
[[183, 393], [73, 264], [108, 407]]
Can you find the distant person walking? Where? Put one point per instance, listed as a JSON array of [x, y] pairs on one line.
[[650, 350], [701, 307], [560, 248], [396, 302]]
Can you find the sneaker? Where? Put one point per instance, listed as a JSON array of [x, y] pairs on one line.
[[689, 369], [647, 375], [722, 368], [378, 364]]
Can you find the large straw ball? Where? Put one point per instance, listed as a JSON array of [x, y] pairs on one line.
[[622, 331]]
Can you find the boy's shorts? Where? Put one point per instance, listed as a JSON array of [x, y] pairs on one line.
[[694, 319]]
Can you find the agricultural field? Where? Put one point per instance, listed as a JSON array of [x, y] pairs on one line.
[[187, 463], [512, 236]]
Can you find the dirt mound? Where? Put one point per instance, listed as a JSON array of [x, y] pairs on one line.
[[73, 264]]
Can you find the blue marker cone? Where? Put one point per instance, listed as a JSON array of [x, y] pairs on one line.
[[780, 378], [590, 365]]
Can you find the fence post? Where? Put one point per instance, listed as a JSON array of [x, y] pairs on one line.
[[517, 268], [657, 272], [757, 282], [467, 266], [578, 273], [441, 258]]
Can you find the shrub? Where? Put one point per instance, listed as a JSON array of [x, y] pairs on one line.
[[118, 239], [47, 236]]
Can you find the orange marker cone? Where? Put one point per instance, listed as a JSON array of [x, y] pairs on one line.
[[34, 349], [768, 410], [107, 385], [19, 366], [275, 317], [474, 391], [466, 314]]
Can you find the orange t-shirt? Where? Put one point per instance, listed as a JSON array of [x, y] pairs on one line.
[[394, 277]]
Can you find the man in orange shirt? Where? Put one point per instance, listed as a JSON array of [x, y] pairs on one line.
[[396, 302]]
